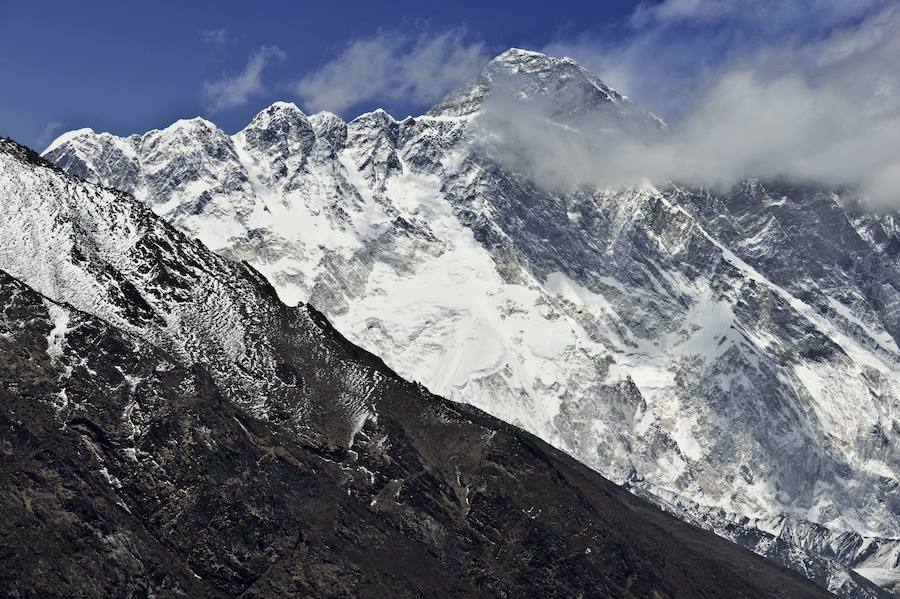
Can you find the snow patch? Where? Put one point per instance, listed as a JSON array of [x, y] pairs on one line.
[[59, 316]]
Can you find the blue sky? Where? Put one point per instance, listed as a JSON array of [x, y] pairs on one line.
[[128, 67]]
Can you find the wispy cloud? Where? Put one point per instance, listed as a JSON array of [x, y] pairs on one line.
[[804, 90], [214, 37], [675, 50], [393, 66], [236, 90], [764, 16], [48, 134]]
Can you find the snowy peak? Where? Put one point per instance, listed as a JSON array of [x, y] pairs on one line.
[[280, 105], [161, 159], [187, 163], [377, 120], [197, 123], [372, 138], [98, 157], [526, 75], [528, 62], [329, 129], [279, 131], [67, 137], [280, 119], [280, 116], [188, 135], [519, 55]]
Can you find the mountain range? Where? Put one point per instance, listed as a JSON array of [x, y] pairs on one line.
[[170, 428], [728, 354]]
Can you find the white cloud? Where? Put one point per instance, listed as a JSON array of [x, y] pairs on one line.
[[48, 134], [215, 37], [762, 15], [676, 49], [236, 90], [393, 66], [812, 94], [681, 10]]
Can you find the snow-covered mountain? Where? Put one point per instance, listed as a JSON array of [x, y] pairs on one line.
[[733, 354], [170, 428]]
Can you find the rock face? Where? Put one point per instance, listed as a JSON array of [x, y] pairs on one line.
[[169, 427], [733, 355]]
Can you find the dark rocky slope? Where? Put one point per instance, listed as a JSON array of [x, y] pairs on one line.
[[200, 499]]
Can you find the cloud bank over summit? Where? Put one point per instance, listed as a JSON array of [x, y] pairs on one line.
[[801, 90], [743, 127]]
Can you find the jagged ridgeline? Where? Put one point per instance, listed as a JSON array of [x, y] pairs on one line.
[[729, 354]]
